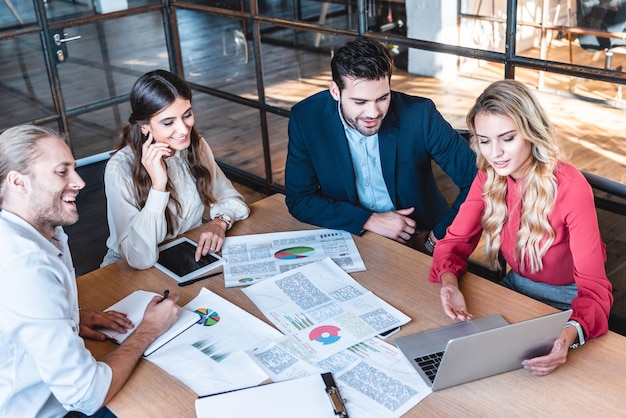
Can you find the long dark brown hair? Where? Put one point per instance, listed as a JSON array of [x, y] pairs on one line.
[[151, 93]]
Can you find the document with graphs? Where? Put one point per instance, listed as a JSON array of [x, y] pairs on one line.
[[252, 258], [211, 355], [322, 309]]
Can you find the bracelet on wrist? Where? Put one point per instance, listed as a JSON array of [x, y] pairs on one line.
[[226, 219], [429, 244], [580, 338]]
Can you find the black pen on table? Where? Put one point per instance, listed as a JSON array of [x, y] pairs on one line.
[[166, 294], [197, 279]]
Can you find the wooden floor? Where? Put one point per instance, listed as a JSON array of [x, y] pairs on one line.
[[588, 117]]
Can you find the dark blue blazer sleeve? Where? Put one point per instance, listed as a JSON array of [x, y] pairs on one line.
[[319, 179], [452, 153]]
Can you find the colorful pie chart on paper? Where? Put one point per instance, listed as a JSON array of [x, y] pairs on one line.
[[293, 253], [208, 317], [325, 334]]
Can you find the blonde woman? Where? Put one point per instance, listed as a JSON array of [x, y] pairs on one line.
[[537, 211]]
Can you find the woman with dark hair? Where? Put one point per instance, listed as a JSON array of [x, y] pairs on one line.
[[163, 177]]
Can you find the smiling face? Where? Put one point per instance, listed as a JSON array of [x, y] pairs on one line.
[[172, 125], [500, 143], [363, 103], [54, 185]]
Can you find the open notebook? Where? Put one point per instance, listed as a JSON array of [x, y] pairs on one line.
[[134, 306]]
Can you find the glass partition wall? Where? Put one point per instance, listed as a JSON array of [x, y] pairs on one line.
[[70, 64]]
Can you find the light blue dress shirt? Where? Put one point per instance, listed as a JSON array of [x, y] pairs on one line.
[[370, 184]]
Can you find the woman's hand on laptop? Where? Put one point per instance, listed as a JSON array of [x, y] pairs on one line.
[[452, 299], [541, 366]]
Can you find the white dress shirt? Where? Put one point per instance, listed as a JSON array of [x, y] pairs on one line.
[[136, 233], [45, 368]]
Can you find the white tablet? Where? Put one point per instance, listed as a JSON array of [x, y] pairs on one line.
[[177, 260]]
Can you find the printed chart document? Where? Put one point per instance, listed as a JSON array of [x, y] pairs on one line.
[[314, 396], [134, 306], [252, 258], [374, 377], [322, 309], [210, 356]]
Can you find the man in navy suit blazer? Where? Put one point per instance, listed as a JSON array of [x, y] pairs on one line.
[[359, 155]]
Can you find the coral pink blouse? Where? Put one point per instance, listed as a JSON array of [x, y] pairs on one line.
[[576, 255]]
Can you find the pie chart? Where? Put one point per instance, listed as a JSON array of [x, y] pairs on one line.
[[325, 334], [208, 317], [293, 253]]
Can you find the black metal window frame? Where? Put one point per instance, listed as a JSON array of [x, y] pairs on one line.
[[168, 9]]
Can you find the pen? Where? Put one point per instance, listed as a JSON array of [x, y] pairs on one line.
[[197, 279], [165, 295]]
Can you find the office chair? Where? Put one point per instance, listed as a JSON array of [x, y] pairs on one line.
[[599, 17], [610, 202], [605, 16]]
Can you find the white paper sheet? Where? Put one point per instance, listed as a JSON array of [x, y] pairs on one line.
[[300, 398], [252, 258], [322, 309], [134, 306], [373, 377], [210, 356]]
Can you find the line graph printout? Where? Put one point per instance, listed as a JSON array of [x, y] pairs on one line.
[[252, 258], [322, 309]]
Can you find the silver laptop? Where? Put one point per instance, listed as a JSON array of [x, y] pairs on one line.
[[483, 347]]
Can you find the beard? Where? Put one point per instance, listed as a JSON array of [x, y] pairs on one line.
[[51, 211], [363, 130]]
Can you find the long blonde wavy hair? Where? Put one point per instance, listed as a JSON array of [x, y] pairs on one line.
[[538, 189]]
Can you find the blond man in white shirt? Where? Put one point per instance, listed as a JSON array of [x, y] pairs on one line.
[[45, 369]]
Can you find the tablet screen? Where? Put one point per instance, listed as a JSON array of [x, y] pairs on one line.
[[180, 259]]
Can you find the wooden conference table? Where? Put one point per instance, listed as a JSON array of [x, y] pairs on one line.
[[590, 383]]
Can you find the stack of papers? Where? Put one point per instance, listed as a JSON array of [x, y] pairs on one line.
[[210, 356], [330, 321], [322, 309]]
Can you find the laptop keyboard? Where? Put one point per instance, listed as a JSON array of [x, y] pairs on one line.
[[430, 363]]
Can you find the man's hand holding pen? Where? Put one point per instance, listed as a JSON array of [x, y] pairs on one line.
[[160, 314]]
